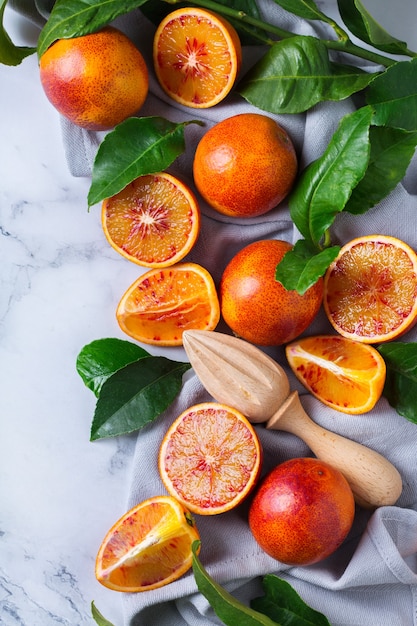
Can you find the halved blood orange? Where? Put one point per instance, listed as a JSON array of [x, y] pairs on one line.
[[370, 289], [197, 56], [148, 547], [154, 221], [210, 458], [162, 303], [347, 375]]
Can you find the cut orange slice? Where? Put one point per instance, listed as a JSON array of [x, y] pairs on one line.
[[197, 56], [150, 546], [154, 221], [370, 289], [347, 375], [162, 303], [210, 458]]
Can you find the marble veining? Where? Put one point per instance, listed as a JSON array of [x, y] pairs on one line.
[[59, 285]]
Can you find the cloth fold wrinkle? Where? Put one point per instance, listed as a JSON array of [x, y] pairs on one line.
[[371, 579]]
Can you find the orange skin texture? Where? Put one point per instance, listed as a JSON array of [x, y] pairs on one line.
[[245, 165], [302, 511], [97, 80], [256, 306]]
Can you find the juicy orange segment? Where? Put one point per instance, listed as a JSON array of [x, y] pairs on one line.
[[150, 546], [197, 56], [347, 375], [162, 303], [210, 458], [370, 289], [154, 221]]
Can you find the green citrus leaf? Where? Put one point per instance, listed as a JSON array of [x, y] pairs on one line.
[[283, 604], [391, 152], [301, 267], [156, 11], [295, 74], [361, 24], [101, 358], [325, 186], [226, 607], [400, 387], [303, 8], [73, 18], [143, 145], [98, 617], [393, 96], [10, 54], [135, 395]]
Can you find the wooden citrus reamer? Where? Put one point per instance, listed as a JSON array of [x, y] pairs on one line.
[[239, 374]]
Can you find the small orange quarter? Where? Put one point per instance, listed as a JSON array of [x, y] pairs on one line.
[[162, 303], [347, 375], [147, 548]]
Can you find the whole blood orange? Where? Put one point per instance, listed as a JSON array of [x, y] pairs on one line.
[[256, 306], [302, 511], [210, 458], [370, 289], [245, 165], [197, 56], [96, 80]]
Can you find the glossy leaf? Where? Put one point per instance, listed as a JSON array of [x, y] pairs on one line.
[[393, 96], [101, 358], [135, 395], [156, 11], [98, 617], [226, 607], [303, 8], [295, 74], [401, 379], [283, 604], [10, 54], [361, 24], [325, 186], [72, 18], [301, 267], [391, 152], [136, 147]]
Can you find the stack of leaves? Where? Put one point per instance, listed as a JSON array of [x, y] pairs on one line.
[[132, 386]]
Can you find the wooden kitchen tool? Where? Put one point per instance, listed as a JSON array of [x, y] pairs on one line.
[[239, 374]]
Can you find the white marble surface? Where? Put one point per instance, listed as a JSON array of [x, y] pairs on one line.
[[60, 284]]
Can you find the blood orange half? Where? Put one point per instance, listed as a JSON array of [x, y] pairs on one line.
[[370, 289], [197, 56], [210, 458], [154, 221]]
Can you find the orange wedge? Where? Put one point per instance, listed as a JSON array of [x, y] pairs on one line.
[[162, 303], [197, 56], [347, 375], [147, 548], [370, 289], [210, 458], [154, 221]]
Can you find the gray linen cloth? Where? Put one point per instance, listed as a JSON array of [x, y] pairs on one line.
[[371, 580]]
